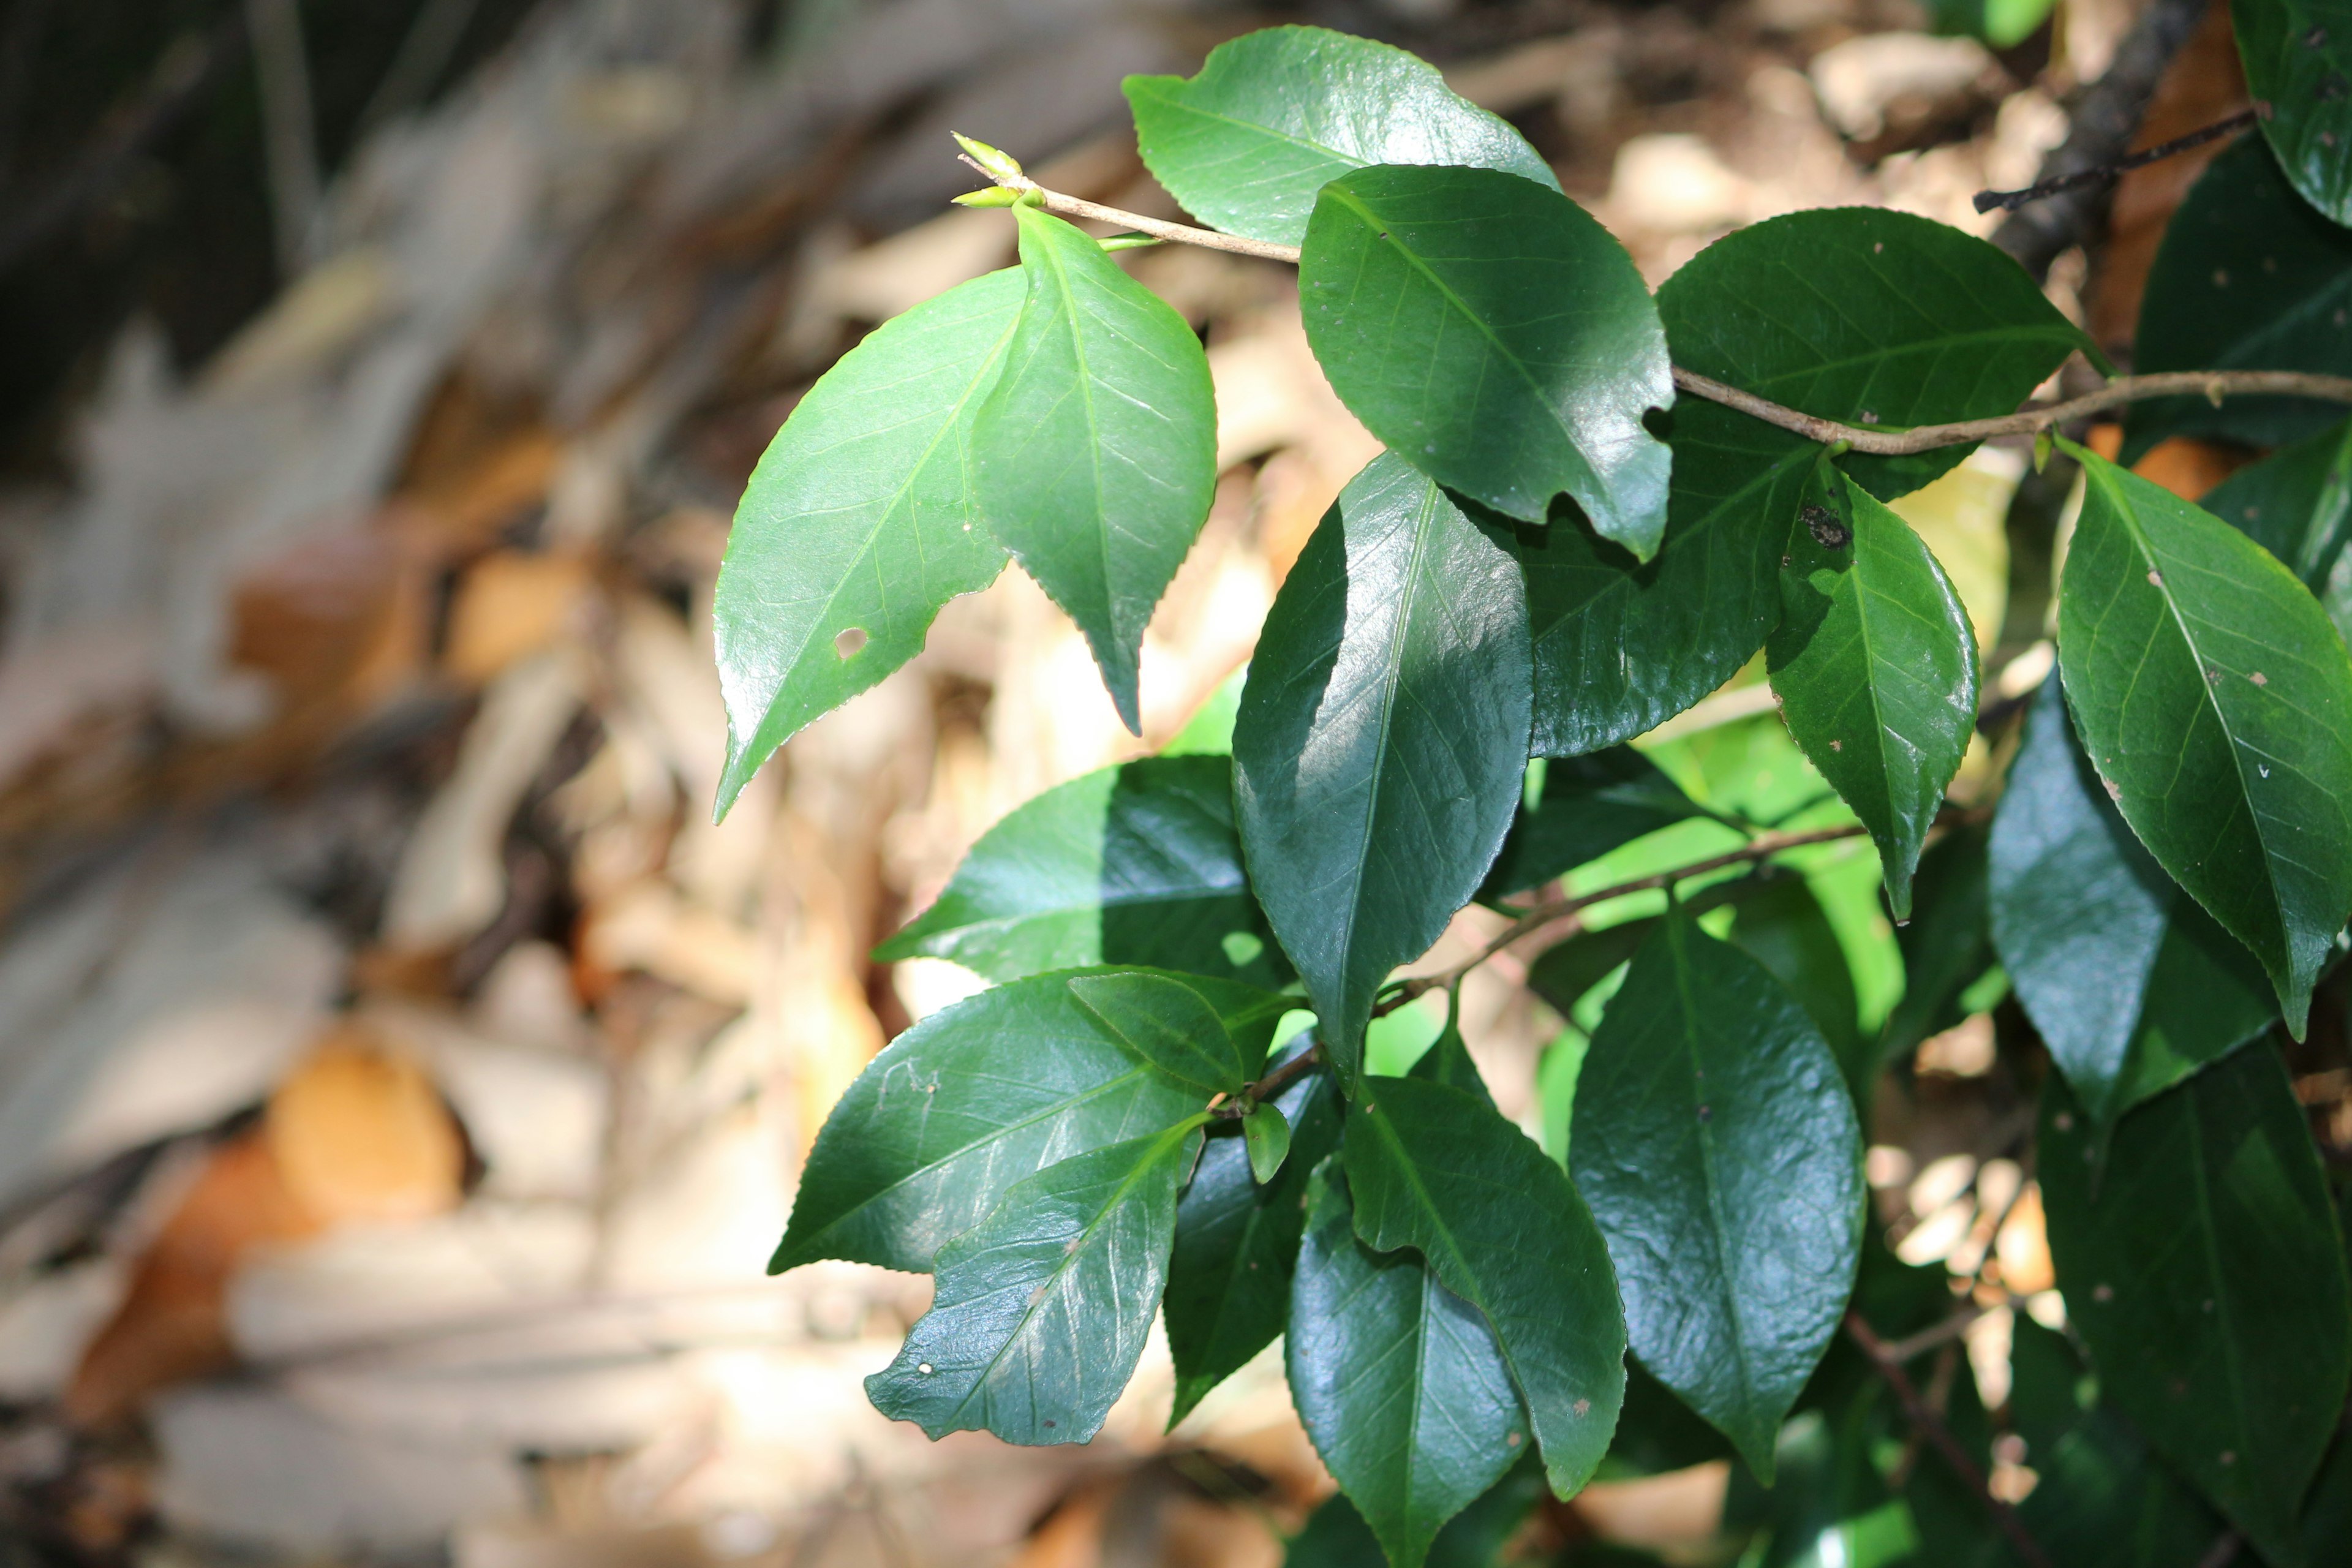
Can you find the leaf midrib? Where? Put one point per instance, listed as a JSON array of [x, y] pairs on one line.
[[1049, 247]]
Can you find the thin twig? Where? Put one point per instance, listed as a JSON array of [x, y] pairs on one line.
[[1927, 1423], [2103, 173], [1158, 228]]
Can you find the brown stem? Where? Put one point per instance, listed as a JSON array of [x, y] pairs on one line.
[[1272, 1084], [2102, 173], [1929, 1424]]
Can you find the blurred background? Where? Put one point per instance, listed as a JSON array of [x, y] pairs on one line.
[[402, 1083]]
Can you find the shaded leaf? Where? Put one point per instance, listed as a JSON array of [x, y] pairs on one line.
[[1276, 114], [1584, 807], [1042, 1309], [859, 522], [1169, 1024], [2298, 61], [1382, 738], [1336, 1535], [2296, 503], [1448, 1060], [1782, 925], [1496, 336], [2215, 701], [1095, 455], [1716, 1144], [1266, 1133], [2206, 1274], [1433, 1168], [1947, 947]]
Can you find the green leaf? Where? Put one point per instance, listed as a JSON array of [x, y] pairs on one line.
[[1397, 1380], [1095, 453], [973, 1098], [1169, 1024], [2298, 57], [2205, 1272], [2004, 24], [1277, 114], [1336, 1535], [1716, 1142], [1656, 1432], [2131, 985], [1382, 738], [1236, 1243], [2248, 278], [1947, 947], [859, 522], [1582, 808], [1496, 336], [1780, 922], [1447, 1060], [1875, 669], [1042, 1309], [2215, 701], [1266, 1133], [1132, 864], [2296, 503], [1433, 1168]]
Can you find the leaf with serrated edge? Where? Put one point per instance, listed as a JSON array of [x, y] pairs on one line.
[[1397, 1379], [1042, 1309], [2298, 57], [1095, 454], [1382, 743], [1276, 114], [1714, 1140], [2202, 1266], [2215, 700], [1876, 668], [1495, 336], [973, 1098], [1433, 1168], [859, 522], [1169, 1024]]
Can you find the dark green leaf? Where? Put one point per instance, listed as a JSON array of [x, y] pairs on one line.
[[2298, 60], [2215, 701], [1169, 1024], [1656, 1432], [1584, 807], [1336, 1536], [1716, 1142], [2206, 1274], [1947, 946], [1266, 1133], [2131, 985], [2296, 503], [2248, 278], [1782, 925], [1397, 1380], [1832, 1504], [1132, 864], [1275, 115], [1448, 1060], [1095, 455], [1236, 1242], [2327, 1509], [1496, 337], [1043, 1307], [858, 523], [972, 1099], [1433, 1168], [1382, 738], [1875, 669]]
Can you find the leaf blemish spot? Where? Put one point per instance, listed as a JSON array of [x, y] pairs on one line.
[[1581, 1408], [2156, 578], [2064, 1121], [2259, 679], [1837, 745], [1512, 1441], [925, 1368], [2103, 1294]]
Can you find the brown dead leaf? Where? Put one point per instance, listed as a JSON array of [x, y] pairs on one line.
[[508, 606], [2188, 467], [360, 1133]]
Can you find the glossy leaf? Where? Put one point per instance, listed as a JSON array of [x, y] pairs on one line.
[[1096, 452], [1132, 864], [1585, 807], [1716, 1142], [1433, 1168], [1042, 1309], [2248, 278], [2215, 701], [1397, 1379], [1276, 114], [2298, 61], [1266, 1133], [1780, 923], [1947, 947], [1875, 669], [859, 522], [1236, 1244], [1166, 1022], [1382, 738], [1496, 337], [2205, 1272], [973, 1098], [2296, 503], [2131, 985]]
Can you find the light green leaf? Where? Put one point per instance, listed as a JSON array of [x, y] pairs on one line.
[[1132, 864], [1042, 1309], [1277, 114], [1095, 454], [2205, 1272], [1875, 669], [1382, 739], [1266, 1133], [1584, 807], [2298, 57], [1496, 337], [2131, 985], [973, 1098], [1397, 1379], [859, 522], [1169, 1024], [1716, 1142], [2215, 701], [1433, 1168]]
